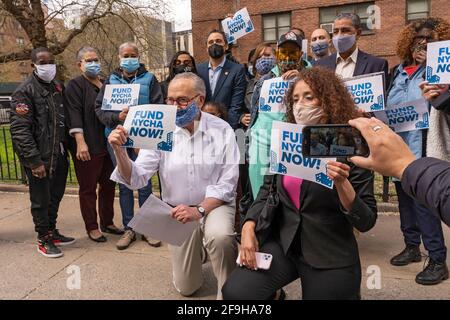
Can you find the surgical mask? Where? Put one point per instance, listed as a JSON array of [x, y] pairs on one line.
[[216, 51], [92, 69], [182, 68], [264, 65], [187, 115], [129, 64], [307, 115], [320, 48], [46, 72], [344, 43]]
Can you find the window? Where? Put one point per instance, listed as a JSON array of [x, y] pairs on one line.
[[417, 9], [19, 41], [274, 25], [328, 14]]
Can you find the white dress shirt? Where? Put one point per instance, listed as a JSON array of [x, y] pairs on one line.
[[202, 165], [346, 68]]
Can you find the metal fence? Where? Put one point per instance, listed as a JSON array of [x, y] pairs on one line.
[[11, 169]]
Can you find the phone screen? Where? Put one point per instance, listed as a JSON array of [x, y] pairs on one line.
[[333, 141]]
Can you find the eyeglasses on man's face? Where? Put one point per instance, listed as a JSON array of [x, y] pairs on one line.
[[180, 101]]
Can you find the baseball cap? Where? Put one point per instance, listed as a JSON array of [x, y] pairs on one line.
[[290, 36]]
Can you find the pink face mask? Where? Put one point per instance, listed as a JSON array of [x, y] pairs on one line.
[[307, 115]]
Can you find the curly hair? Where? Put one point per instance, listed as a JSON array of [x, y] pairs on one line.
[[335, 100], [439, 27]]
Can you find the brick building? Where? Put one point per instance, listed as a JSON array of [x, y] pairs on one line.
[[274, 17]]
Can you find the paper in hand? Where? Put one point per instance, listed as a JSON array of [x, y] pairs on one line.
[[154, 220]]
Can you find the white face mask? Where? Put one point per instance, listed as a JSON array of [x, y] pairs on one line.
[[46, 72], [307, 115]]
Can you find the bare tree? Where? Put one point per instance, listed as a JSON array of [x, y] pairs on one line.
[[34, 18]]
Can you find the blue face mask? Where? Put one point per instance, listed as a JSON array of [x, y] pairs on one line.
[[92, 69], [186, 116], [129, 64], [264, 65], [344, 43], [320, 48]]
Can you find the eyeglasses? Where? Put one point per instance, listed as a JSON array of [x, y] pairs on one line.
[[91, 60], [292, 55], [181, 101]]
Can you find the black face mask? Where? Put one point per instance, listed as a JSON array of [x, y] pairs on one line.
[[216, 51], [182, 69]]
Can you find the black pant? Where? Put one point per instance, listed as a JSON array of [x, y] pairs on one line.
[[46, 194], [317, 284]]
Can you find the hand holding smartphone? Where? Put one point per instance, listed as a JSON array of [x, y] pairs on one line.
[[263, 260], [330, 141]]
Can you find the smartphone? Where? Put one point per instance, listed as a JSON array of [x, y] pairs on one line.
[[333, 140], [263, 260]]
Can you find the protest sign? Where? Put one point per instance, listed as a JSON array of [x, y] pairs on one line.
[[119, 96], [272, 95], [367, 91], [151, 126], [286, 155], [438, 62], [407, 116], [238, 26]]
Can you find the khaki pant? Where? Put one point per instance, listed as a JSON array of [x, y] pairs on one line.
[[216, 235]]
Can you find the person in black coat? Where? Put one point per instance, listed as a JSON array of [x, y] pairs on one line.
[[181, 62], [426, 179], [311, 233], [349, 61]]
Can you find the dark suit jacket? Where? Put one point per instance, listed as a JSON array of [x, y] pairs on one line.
[[365, 64], [325, 228], [428, 181], [230, 89]]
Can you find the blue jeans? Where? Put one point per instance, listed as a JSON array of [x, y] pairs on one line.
[[417, 222], [126, 196]]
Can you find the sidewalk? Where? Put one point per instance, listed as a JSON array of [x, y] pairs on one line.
[[143, 272]]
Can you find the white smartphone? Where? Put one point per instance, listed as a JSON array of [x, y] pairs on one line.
[[263, 260]]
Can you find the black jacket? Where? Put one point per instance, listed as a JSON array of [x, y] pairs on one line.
[[38, 122], [324, 228], [79, 103], [365, 64], [428, 181], [229, 91], [110, 119]]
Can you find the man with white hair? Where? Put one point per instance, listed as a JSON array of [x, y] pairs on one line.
[[198, 179], [131, 71]]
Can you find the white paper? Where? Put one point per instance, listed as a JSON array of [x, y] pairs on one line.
[[155, 221], [238, 26], [438, 62], [367, 91], [119, 96], [408, 116], [272, 95], [151, 126]]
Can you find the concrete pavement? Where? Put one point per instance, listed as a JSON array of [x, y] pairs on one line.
[[143, 272]]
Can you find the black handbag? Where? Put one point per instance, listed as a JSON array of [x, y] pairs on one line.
[[265, 221]]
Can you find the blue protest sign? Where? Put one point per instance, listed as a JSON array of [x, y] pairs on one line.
[[438, 62], [271, 98], [367, 91], [238, 26], [119, 96], [407, 116], [151, 127], [286, 155]]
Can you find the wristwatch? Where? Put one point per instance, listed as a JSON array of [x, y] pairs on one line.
[[201, 210]]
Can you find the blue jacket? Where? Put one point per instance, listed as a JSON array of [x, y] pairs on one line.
[[403, 89], [229, 91], [149, 93]]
